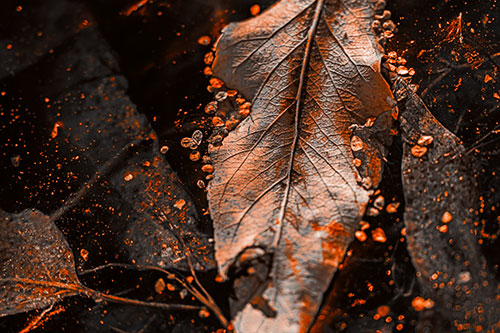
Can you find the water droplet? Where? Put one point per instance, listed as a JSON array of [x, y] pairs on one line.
[[418, 151], [55, 129], [84, 254], [216, 83], [464, 277], [360, 235], [194, 156], [186, 142], [160, 286], [389, 25], [447, 217], [372, 212], [378, 235], [425, 140], [221, 95], [164, 149], [402, 70], [384, 17], [443, 228], [209, 58], [379, 202], [180, 203], [217, 121], [204, 313], [197, 137], [204, 40], [201, 184], [208, 168], [255, 10], [392, 207], [208, 71], [128, 176], [211, 107]]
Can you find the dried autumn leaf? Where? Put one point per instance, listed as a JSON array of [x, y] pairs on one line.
[[440, 188], [37, 268], [284, 183]]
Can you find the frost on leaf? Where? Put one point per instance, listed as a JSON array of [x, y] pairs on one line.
[[285, 184], [36, 264]]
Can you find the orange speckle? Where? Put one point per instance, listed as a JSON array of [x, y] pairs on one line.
[[55, 129], [204, 313], [189, 279], [378, 235], [84, 254], [134, 7], [425, 140], [204, 40], [419, 303], [128, 176], [360, 235], [255, 10], [209, 58], [9, 46], [383, 310], [487, 78], [364, 225], [216, 83], [418, 151], [160, 286], [443, 228], [179, 203], [392, 207], [208, 168], [447, 217], [208, 71]]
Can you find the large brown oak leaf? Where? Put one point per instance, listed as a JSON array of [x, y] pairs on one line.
[[284, 182]]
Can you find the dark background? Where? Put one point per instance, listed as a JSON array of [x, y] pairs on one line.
[[159, 54]]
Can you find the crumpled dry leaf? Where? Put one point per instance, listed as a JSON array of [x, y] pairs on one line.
[[285, 185], [37, 268], [441, 194]]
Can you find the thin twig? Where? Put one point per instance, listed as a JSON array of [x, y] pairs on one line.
[[204, 299], [97, 295], [435, 81]]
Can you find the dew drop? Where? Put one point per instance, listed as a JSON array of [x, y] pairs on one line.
[[164, 150]]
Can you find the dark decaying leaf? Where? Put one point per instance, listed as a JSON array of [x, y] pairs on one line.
[[285, 185], [36, 29], [149, 207], [36, 263], [441, 196]]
